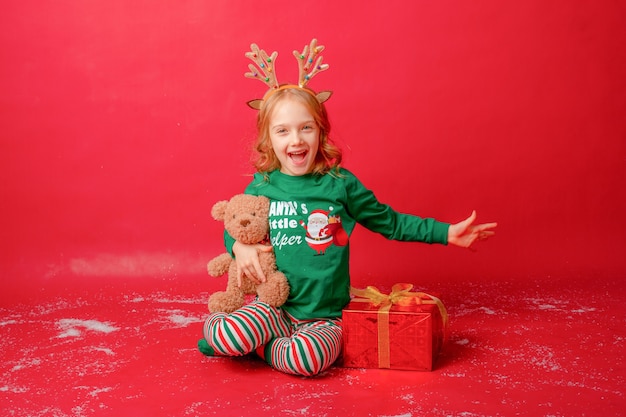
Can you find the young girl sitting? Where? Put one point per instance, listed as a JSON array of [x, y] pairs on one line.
[[315, 206]]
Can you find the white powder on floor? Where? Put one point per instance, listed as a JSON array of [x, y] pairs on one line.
[[70, 327]]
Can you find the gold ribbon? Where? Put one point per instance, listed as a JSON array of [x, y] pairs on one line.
[[400, 295]]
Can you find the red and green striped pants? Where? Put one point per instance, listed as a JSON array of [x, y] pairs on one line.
[[290, 345]]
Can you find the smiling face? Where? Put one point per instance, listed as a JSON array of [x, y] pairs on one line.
[[321, 155], [295, 136]]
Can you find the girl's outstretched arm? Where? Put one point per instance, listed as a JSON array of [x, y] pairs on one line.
[[247, 259], [465, 233]]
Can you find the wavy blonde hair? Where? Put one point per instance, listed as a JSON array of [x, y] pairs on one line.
[[329, 156]]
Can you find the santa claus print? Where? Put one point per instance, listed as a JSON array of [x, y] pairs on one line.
[[322, 230]]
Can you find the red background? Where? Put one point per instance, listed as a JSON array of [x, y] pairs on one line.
[[121, 123]]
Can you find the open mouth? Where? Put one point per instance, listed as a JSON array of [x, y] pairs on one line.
[[297, 156]]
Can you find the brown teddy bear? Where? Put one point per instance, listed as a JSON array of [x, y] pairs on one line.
[[245, 218]]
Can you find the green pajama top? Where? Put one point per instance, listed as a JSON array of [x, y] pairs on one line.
[[311, 219]]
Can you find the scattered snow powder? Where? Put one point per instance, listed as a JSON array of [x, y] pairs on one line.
[[15, 390], [105, 350], [401, 415], [69, 333], [183, 321], [584, 310], [71, 327]]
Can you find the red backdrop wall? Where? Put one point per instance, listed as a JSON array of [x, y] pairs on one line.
[[122, 122]]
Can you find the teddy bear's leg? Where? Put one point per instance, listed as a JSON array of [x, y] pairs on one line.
[[275, 290], [226, 301]]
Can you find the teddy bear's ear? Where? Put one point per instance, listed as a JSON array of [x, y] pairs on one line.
[[264, 200], [219, 210], [263, 204]]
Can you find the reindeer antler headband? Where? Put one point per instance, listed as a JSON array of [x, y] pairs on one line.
[[309, 64]]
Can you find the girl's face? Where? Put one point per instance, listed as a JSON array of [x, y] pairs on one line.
[[295, 137]]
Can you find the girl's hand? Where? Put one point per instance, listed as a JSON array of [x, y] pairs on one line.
[[247, 259], [465, 233]]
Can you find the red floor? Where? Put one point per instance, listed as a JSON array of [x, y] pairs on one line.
[[532, 349]]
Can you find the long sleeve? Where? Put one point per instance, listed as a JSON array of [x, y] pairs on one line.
[[381, 218]]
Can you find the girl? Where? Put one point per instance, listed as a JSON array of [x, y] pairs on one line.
[[315, 205]]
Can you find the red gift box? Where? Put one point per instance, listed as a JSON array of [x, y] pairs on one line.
[[402, 330]]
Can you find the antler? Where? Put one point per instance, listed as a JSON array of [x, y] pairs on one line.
[[309, 64], [306, 65], [264, 64]]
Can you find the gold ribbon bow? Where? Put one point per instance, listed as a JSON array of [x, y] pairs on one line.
[[401, 295]]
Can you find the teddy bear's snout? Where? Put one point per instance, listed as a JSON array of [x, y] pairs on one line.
[[244, 222]]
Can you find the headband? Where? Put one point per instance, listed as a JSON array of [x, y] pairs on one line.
[[309, 64]]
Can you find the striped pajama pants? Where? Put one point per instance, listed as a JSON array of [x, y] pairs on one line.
[[290, 345]]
